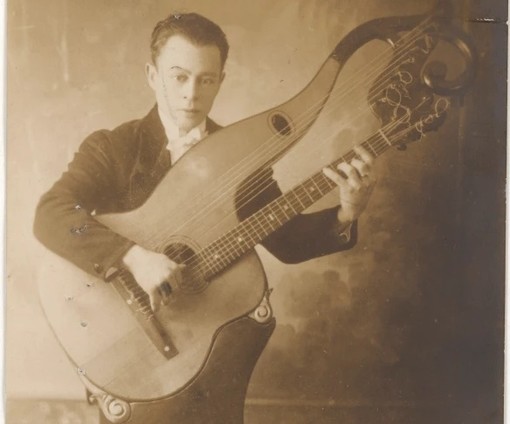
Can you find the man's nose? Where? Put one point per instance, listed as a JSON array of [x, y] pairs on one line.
[[191, 89]]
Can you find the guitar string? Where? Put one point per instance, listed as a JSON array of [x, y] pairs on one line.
[[222, 186], [232, 182], [320, 102], [195, 259], [148, 349], [401, 46], [234, 238], [250, 188], [231, 251], [223, 244], [143, 354]]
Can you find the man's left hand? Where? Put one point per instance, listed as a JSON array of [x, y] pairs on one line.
[[356, 182]]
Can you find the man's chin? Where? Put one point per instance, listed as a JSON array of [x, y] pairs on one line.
[[186, 123]]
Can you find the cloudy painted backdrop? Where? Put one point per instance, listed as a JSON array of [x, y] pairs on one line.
[[409, 320]]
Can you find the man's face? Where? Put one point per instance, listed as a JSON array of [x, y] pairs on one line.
[[186, 79]]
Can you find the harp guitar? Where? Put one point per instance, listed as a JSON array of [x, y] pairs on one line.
[[115, 341]]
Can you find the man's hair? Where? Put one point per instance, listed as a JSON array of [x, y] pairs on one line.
[[194, 27]]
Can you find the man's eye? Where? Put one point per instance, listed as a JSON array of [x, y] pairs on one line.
[[208, 81], [181, 78]]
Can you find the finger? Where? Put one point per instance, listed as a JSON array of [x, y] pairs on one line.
[[165, 289], [172, 265], [361, 167], [364, 155], [173, 274], [371, 182], [179, 274], [155, 298], [334, 176], [353, 177], [340, 179]]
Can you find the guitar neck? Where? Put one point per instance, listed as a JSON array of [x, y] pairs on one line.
[[219, 254]]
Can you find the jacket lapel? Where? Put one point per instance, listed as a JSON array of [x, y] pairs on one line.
[[151, 142], [211, 126]]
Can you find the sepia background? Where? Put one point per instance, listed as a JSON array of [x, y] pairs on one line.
[[406, 327]]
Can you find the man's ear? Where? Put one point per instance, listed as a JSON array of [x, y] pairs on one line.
[[151, 73]]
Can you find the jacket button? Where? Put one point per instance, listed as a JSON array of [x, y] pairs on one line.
[[98, 268]]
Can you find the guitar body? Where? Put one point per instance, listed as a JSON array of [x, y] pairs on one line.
[[193, 205], [216, 395], [106, 343]]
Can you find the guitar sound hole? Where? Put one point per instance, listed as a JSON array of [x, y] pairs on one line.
[[193, 274], [281, 124]]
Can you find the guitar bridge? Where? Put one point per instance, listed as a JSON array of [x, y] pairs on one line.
[[139, 303]]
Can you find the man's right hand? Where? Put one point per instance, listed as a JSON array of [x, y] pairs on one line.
[[150, 269]]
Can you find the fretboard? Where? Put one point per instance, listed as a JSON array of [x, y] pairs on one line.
[[219, 254]]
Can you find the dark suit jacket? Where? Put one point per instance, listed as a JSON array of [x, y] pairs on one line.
[[116, 171]]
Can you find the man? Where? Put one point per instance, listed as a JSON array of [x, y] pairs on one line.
[[116, 171]]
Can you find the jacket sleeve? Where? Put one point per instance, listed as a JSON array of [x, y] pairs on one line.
[[306, 236], [64, 222], [310, 236]]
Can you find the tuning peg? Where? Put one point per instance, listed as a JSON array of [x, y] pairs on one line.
[[402, 147]]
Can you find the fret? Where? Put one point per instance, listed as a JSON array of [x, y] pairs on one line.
[[305, 197], [229, 248], [378, 144], [249, 221], [217, 254], [322, 183], [318, 192], [237, 238], [386, 139], [246, 235], [283, 206], [234, 249], [205, 255], [215, 269], [204, 259], [280, 212], [294, 201], [216, 258], [260, 225], [329, 183], [250, 237], [270, 220], [374, 151], [240, 237], [273, 216], [226, 249]]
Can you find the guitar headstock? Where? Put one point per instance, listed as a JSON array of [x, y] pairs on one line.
[[411, 123], [412, 95]]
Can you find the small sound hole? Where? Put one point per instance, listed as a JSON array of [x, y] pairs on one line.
[[281, 124]]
